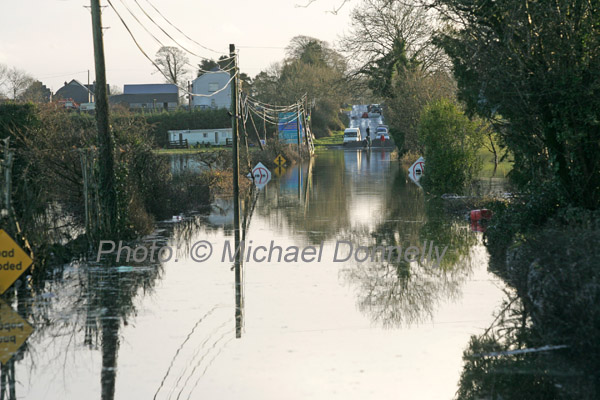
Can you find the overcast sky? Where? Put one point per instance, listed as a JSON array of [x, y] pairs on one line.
[[52, 39]]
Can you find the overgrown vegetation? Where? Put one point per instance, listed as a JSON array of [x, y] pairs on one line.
[[451, 142], [274, 148], [534, 69], [48, 182]]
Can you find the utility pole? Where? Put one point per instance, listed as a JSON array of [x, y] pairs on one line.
[[265, 123], [298, 126], [234, 131], [190, 94], [108, 195], [236, 195]]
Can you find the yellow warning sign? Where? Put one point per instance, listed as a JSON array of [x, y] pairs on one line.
[[14, 331], [279, 160], [279, 171], [13, 261]]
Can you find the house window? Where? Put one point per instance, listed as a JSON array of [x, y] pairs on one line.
[[213, 87], [205, 135], [213, 103]]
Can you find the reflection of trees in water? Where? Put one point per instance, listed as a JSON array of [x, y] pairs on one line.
[[534, 375], [317, 205], [393, 294], [398, 292], [83, 302]]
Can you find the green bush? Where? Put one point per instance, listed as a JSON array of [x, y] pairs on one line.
[[451, 142]]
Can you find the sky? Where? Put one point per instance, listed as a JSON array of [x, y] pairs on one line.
[[52, 39]]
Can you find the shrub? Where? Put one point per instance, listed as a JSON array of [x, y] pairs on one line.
[[272, 150], [451, 142]]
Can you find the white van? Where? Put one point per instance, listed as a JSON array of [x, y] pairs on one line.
[[352, 135]]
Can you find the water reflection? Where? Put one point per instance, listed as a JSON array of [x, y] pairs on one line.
[[507, 361], [350, 196], [158, 330]]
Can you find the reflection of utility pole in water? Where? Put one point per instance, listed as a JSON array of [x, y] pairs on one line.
[[110, 324], [8, 378], [249, 205], [300, 182], [239, 285], [307, 185]]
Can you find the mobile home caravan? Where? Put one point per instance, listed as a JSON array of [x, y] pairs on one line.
[[213, 137]]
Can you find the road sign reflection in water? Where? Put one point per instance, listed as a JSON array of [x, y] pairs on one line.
[[13, 261], [279, 171], [14, 331]]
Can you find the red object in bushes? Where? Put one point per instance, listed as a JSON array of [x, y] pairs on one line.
[[477, 215], [477, 227]]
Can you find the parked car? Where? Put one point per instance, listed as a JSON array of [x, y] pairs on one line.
[[352, 135], [365, 115]]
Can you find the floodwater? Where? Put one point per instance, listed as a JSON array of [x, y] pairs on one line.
[[382, 329]]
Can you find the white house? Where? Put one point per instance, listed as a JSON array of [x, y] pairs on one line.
[[215, 137], [211, 84]]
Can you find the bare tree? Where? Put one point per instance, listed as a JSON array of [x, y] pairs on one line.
[[172, 63], [17, 81], [378, 25]]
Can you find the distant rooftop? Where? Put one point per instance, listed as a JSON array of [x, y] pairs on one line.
[[150, 88]]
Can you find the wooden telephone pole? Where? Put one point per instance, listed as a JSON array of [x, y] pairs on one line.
[[234, 131], [108, 196], [239, 315]]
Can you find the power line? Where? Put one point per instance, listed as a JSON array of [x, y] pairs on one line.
[[166, 33], [185, 90], [61, 75], [179, 30], [262, 47], [159, 41]]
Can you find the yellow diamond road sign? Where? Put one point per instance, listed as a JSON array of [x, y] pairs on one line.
[[279, 160], [13, 261], [14, 331]]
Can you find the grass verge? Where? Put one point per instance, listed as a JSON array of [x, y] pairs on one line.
[[487, 165], [337, 138]]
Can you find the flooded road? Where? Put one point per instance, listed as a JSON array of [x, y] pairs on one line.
[[355, 329]]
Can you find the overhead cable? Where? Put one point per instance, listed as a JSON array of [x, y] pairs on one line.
[[185, 90], [180, 31]]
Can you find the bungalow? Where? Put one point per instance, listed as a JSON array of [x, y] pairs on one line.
[[210, 86], [215, 137], [150, 97]]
